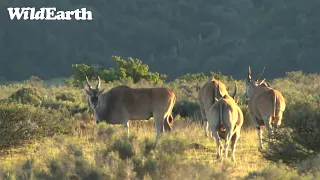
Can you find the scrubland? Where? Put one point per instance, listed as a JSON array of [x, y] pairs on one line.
[[48, 132]]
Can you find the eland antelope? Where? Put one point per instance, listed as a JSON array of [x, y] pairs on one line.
[[207, 97], [122, 103], [225, 120], [266, 105]]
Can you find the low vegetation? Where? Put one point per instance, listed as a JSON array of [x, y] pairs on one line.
[[48, 132]]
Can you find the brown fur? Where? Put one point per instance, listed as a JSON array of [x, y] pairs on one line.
[[266, 105], [225, 119], [207, 98]]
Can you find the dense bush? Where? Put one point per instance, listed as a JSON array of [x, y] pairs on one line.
[[130, 68], [274, 172], [65, 106], [68, 96], [186, 108], [19, 123], [193, 77], [299, 138], [28, 95], [306, 169]]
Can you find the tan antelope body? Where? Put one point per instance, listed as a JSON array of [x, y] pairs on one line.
[[266, 106], [225, 120], [207, 97], [122, 103]]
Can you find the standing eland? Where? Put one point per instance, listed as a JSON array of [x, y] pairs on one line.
[[207, 97], [266, 105], [225, 120], [122, 103]]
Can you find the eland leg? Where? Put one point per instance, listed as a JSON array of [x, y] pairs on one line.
[[206, 128], [228, 138], [257, 123], [259, 132], [159, 120], [234, 141], [204, 121], [218, 143], [268, 123], [126, 126], [279, 119], [123, 117]]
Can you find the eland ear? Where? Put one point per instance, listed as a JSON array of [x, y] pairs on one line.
[[262, 81], [268, 84], [88, 92], [197, 88]]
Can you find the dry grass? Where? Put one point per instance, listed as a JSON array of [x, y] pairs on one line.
[[248, 157]]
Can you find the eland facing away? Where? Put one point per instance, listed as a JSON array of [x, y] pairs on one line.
[[225, 120], [266, 105], [207, 97], [122, 103]]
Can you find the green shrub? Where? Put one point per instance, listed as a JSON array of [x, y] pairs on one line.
[[219, 76], [135, 69], [34, 81], [310, 166], [194, 77], [301, 136], [166, 165], [275, 173], [68, 96], [130, 68], [68, 106], [202, 77], [75, 149], [172, 145], [105, 131], [28, 95], [186, 108], [123, 147], [147, 146], [19, 123]]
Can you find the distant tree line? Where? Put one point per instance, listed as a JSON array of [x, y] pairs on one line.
[[172, 37]]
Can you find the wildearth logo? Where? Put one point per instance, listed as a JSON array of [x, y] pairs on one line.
[[48, 13]]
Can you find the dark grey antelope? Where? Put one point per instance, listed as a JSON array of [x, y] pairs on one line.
[[122, 103]]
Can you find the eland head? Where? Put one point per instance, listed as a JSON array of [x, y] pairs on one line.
[[94, 93], [254, 83]]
